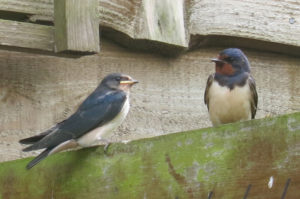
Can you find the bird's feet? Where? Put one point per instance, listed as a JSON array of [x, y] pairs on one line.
[[268, 115], [106, 147], [107, 143]]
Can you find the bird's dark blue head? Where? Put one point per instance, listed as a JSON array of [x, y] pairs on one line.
[[117, 81], [231, 61]]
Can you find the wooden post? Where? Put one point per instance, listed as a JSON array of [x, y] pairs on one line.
[[165, 21], [76, 26]]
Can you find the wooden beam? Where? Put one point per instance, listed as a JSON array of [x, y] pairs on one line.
[[37, 91], [26, 35], [257, 158], [157, 23], [43, 8], [269, 21], [76, 26]]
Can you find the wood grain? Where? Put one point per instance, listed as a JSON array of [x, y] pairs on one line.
[[42, 8], [224, 161], [76, 26], [182, 24], [271, 21], [38, 90], [27, 35]]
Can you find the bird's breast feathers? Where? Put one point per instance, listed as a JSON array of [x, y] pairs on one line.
[[102, 132], [226, 106]]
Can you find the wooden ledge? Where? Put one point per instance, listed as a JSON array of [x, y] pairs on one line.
[[259, 158]]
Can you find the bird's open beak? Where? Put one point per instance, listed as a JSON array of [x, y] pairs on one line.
[[217, 60], [130, 82]]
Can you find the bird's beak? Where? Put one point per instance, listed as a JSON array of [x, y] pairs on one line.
[[216, 60], [130, 82]]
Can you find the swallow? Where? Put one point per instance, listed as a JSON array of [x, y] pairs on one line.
[[98, 115], [230, 93]]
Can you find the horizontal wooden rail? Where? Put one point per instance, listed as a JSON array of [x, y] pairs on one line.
[[177, 25], [26, 35], [255, 159]]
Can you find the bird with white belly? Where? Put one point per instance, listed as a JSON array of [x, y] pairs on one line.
[[230, 93], [99, 114]]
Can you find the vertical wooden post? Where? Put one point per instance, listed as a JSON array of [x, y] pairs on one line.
[[76, 26]]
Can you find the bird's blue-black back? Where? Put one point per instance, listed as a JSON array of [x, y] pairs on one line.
[[99, 108]]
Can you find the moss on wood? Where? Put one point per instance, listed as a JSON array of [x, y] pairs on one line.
[[223, 161]]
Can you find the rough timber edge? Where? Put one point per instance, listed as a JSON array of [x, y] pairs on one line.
[[220, 159]]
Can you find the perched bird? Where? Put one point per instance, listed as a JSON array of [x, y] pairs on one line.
[[98, 115], [230, 93]]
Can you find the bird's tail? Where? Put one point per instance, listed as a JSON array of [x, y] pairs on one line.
[[38, 158], [36, 138], [32, 140]]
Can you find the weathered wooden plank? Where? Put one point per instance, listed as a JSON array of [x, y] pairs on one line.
[[272, 21], [156, 20], [162, 22], [138, 22], [165, 21], [76, 26], [43, 8], [37, 91], [26, 35], [119, 15], [225, 161]]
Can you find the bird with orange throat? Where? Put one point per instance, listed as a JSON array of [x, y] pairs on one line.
[[230, 93]]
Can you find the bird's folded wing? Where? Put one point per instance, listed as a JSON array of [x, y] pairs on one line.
[[254, 97], [208, 84], [95, 111]]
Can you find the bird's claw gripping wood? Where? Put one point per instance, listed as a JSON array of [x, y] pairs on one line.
[[106, 146]]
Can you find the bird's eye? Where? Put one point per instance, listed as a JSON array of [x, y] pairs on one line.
[[229, 59], [118, 79]]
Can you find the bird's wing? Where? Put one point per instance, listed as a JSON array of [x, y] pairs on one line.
[[254, 98], [96, 110], [208, 84], [36, 138]]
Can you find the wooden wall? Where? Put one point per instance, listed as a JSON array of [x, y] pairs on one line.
[[40, 89]]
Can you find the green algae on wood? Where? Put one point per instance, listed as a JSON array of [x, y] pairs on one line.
[[223, 161]]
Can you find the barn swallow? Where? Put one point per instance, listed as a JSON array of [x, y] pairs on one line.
[[99, 114], [230, 93]]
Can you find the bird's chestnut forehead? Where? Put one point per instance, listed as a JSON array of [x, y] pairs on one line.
[[222, 56]]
